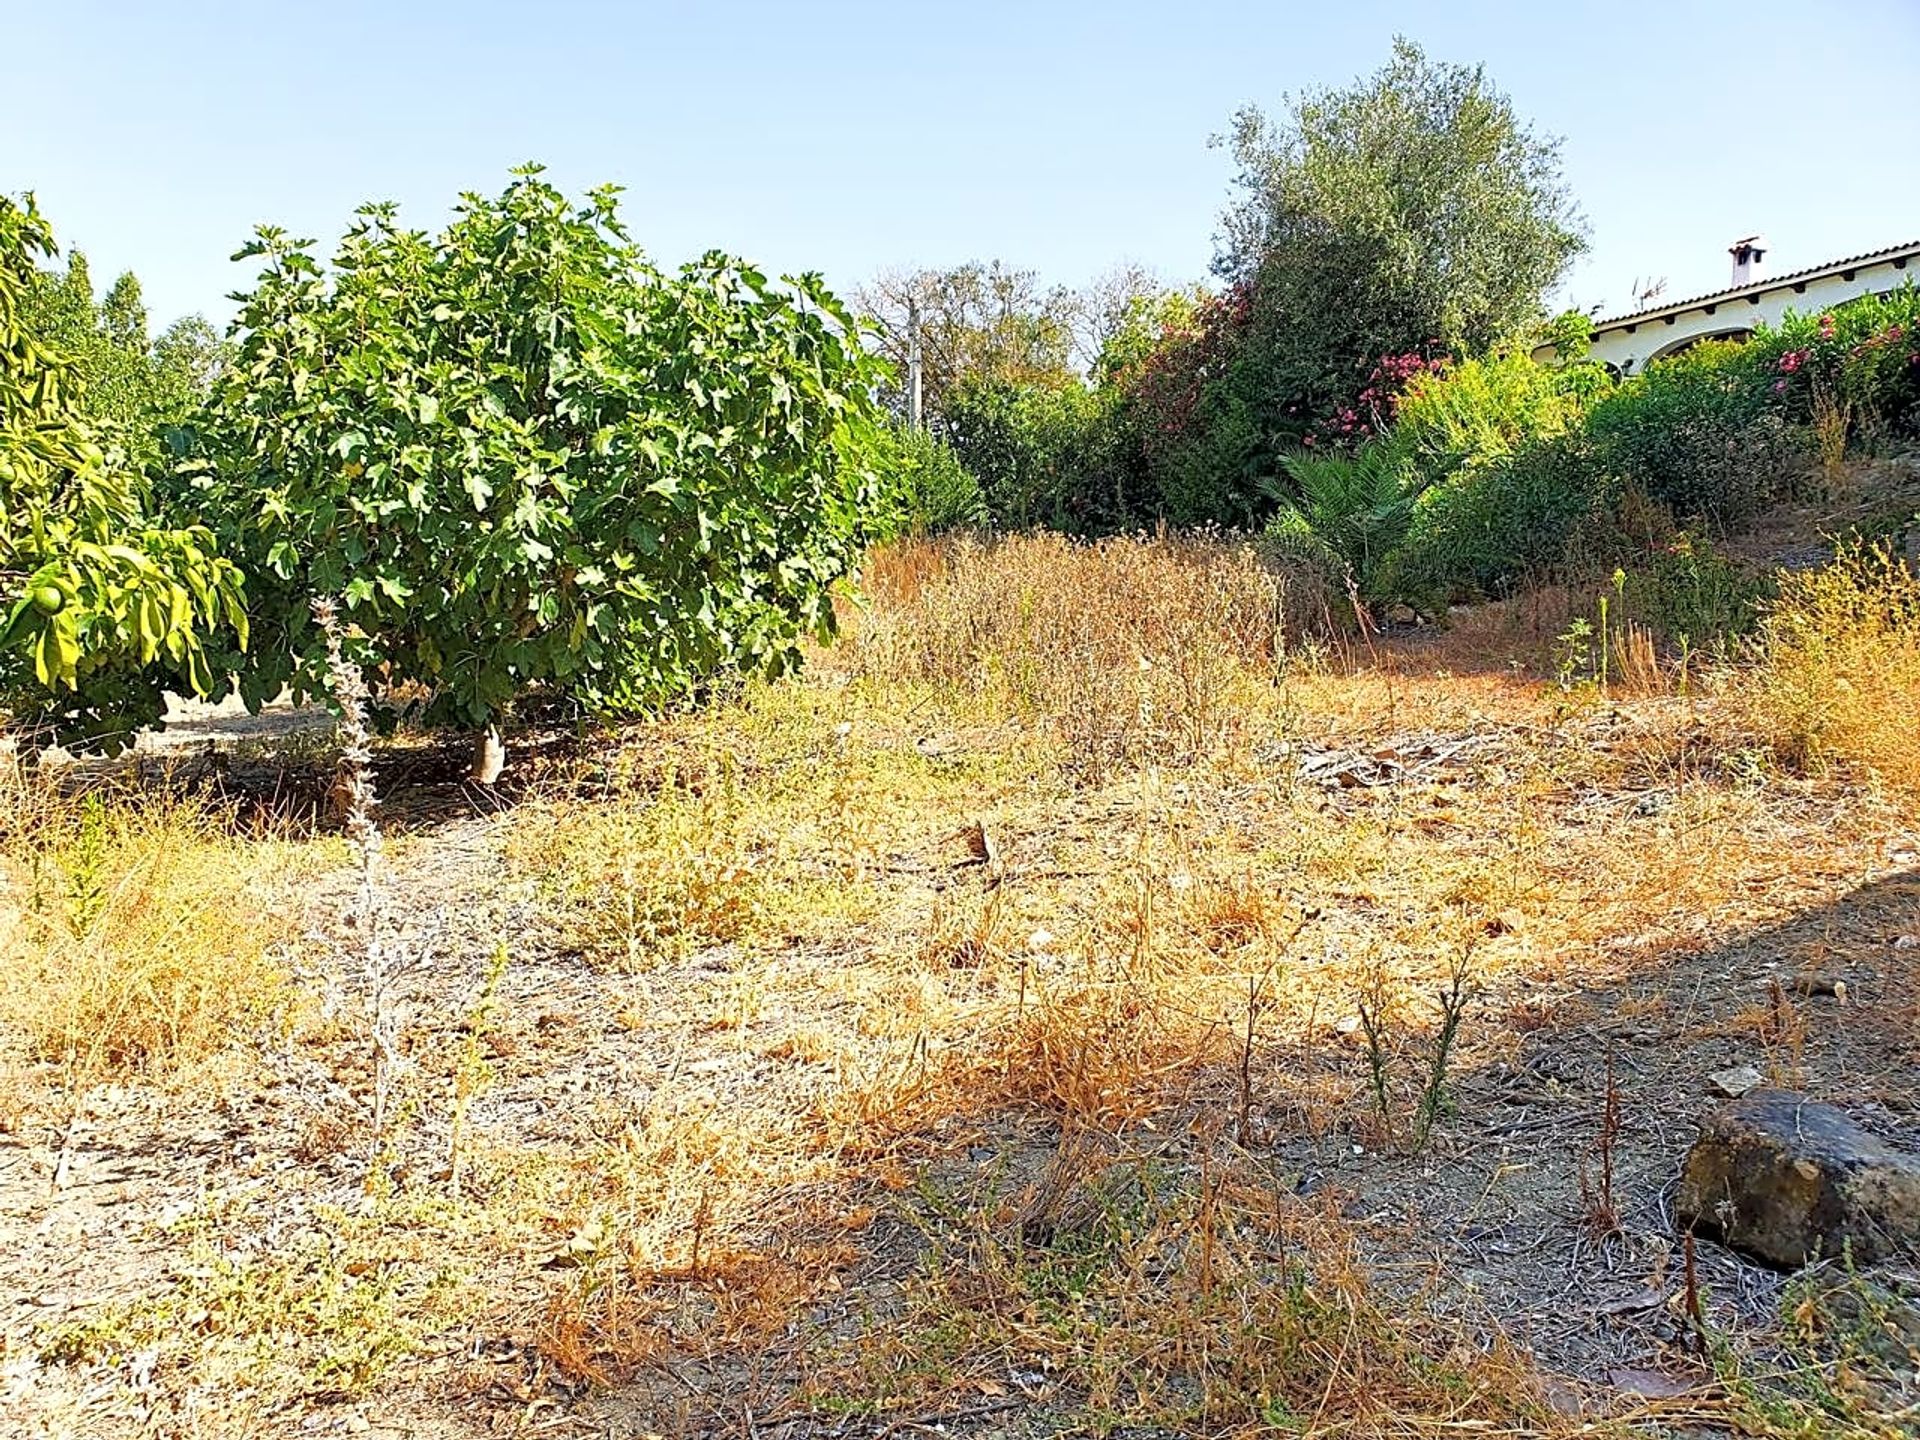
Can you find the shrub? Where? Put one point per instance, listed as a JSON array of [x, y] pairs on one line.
[[1475, 413], [1691, 593], [922, 487], [1840, 667], [1218, 470], [1696, 433], [1030, 446], [1505, 478], [1494, 524], [1865, 354]]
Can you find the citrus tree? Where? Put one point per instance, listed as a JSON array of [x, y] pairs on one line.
[[523, 459], [107, 606]]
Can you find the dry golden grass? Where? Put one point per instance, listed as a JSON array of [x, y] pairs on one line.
[[1199, 1306], [1072, 857], [1839, 675], [1129, 649], [970, 902], [140, 937]]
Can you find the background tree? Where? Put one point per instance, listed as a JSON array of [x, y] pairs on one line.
[[524, 460], [1115, 309], [1407, 217], [134, 384], [107, 605], [978, 323], [1027, 385], [1421, 184]]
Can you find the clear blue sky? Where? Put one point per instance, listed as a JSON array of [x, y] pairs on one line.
[[847, 137]]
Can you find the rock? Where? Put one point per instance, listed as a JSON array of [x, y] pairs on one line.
[[1815, 983], [1788, 1180], [1735, 1082], [1649, 1384]]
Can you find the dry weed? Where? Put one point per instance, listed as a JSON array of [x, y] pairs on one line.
[[1138, 1293], [141, 933], [1839, 675], [1128, 649]]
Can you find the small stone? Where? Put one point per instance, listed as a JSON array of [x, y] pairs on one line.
[[1815, 982], [1735, 1082], [1906, 942], [1788, 1179], [1563, 1397], [1649, 1384]]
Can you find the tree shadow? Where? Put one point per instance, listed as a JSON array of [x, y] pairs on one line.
[[1527, 1217]]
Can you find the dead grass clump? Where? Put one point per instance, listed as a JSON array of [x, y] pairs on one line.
[[1128, 649], [642, 881], [141, 940], [1137, 1292], [1089, 1052], [1839, 678]]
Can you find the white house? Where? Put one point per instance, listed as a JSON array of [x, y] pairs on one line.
[[1628, 342]]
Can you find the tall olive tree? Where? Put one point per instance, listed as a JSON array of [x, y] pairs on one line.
[[522, 459], [1407, 216], [1420, 182]]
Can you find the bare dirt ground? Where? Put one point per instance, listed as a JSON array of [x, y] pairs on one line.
[[868, 1162]]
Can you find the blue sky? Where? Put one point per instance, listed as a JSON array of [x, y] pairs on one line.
[[847, 137]]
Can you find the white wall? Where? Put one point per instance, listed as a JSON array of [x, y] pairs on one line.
[[1630, 344]]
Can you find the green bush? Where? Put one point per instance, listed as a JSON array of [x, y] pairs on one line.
[[1492, 526], [1478, 412], [1502, 474], [923, 487], [1032, 447], [1696, 433], [1865, 353], [1689, 592]]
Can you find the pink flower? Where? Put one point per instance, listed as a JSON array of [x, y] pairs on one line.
[[1780, 387]]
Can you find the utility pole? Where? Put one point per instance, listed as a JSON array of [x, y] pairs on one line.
[[913, 364]]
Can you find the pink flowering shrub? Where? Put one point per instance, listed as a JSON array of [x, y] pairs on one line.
[[1862, 354], [1373, 409]]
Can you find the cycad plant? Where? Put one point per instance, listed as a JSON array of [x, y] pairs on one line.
[[1347, 512]]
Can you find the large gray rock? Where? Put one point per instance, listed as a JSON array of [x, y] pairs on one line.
[[1789, 1180]]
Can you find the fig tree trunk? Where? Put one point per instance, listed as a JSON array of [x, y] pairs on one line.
[[489, 756]]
